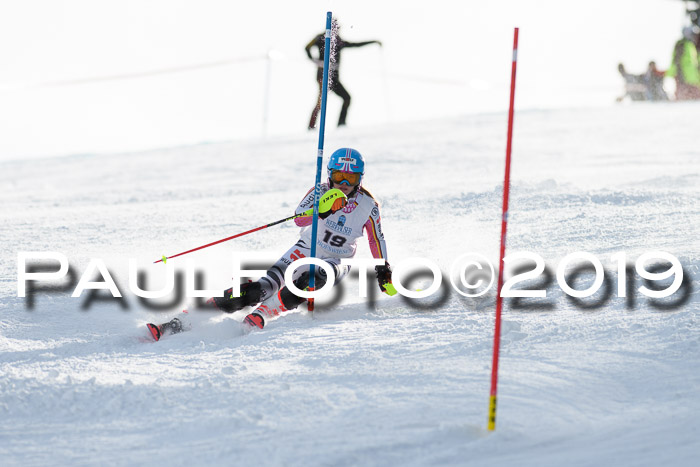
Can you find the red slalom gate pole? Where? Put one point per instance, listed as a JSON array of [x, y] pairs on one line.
[[504, 226]]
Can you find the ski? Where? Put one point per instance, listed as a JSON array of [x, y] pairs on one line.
[[176, 325]]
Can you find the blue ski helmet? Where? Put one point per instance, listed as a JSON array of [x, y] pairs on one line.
[[347, 160]]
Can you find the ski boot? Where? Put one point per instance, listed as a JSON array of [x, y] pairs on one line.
[[283, 301], [255, 319], [250, 295], [270, 308], [173, 326]]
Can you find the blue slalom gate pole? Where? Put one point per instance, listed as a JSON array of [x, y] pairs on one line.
[[319, 158]]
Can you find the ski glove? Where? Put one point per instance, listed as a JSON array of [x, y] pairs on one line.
[[384, 279], [331, 202]]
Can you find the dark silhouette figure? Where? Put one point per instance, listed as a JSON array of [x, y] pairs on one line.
[[334, 84]]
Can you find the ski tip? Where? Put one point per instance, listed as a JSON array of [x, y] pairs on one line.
[[155, 331]]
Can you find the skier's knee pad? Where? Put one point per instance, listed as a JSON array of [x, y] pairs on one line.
[[291, 301], [303, 281], [250, 295]]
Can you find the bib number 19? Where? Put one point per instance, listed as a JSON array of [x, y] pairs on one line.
[[334, 240]]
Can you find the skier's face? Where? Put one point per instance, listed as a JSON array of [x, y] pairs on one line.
[[344, 187], [345, 181]]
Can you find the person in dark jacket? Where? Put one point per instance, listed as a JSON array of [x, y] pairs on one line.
[[334, 84]]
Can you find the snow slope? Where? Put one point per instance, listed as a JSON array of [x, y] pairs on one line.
[[377, 381]]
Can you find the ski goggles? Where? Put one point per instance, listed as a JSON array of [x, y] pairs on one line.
[[351, 178]]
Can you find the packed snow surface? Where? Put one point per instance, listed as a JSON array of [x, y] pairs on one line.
[[364, 381]]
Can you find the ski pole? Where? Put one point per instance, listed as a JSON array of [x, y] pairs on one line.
[[164, 259], [332, 200]]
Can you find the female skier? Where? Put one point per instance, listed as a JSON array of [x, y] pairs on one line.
[[340, 225], [338, 231]]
